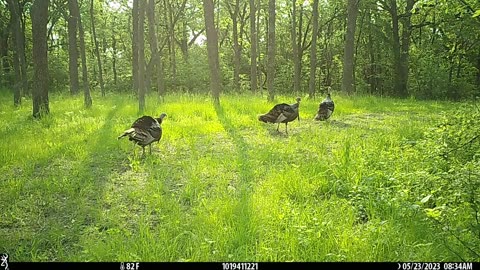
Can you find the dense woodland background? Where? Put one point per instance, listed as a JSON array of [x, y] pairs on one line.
[[427, 49]]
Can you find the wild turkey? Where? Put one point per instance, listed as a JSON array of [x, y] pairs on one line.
[[282, 113], [325, 109], [144, 131]]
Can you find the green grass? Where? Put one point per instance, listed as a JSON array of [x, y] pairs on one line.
[[220, 185]]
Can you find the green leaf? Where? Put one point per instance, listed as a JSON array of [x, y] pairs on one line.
[[424, 200], [433, 213], [476, 14]]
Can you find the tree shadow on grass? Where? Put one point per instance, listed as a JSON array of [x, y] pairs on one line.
[[65, 194], [245, 238]]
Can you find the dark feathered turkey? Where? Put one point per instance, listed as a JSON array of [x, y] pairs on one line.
[[145, 131], [282, 113], [325, 109]]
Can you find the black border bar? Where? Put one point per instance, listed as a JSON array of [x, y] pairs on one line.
[[244, 265]]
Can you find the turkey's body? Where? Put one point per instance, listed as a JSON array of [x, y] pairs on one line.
[[325, 109], [145, 131], [282, 113]]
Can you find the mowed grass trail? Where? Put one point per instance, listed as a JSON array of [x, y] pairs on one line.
[[220, 185]]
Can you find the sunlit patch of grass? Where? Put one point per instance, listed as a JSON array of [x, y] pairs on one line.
[[219, 186]]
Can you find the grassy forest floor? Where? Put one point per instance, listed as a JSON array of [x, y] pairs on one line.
[[220, 185]]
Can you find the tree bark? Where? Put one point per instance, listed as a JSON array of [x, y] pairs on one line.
[[212, 50], [348, 81], [234, 14], [5, 64], [83, 56], [141, 55], [478, 70], [313, 51], [295, 49], [155, 54], [400, 49], [171, 35], [73, 48], [253, 47], [39, 14], [134, 46], [271, 50], [97, 51], [20, 65], [405, 48], [114, 54]]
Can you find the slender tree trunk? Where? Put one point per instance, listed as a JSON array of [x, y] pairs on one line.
[[212, 49], [253, 47], [236, 47], [134, 46], [400, 84], [295, 49], [313, 51], [271, 50], [173, 57], [19, 63], [114, 54], [348, 81], [183, 42], [97, 51], [372, 70], [405, 48], [22, 53], [478, 71], [83, 56], [17, 91], [329, 55], [73, 48], [141, 55], [5, 64], [260, 81], [39, 14], [155, 54], [396, 48]]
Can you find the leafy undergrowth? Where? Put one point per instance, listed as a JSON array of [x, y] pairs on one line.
[[220, 185]]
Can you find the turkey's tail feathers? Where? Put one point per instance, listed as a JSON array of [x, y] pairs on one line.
[[267, 118], [127, 132]]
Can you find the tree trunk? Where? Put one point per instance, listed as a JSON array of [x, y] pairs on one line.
[[253, 47], [405, 49], [73, 48], [400, 78], [348, 81], [271, 50], [372, 72], [19, 63], [212, 49], [313, 51], [97, 51], [17, 91], [141, 55], [295, 49], [5, 64], [114, 54], [155, 54], [260, 62], [83, 56], [171, 35], [39, 14], [236, 47], [478, 71], [134, 46]]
